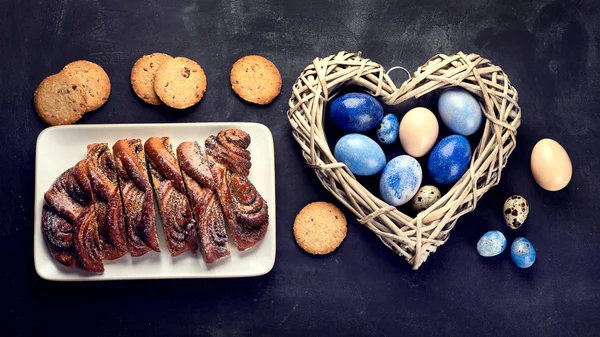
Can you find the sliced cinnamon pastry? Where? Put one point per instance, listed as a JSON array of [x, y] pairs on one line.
[[58, 233], [245, 210], [88, 244], [107, 201], [65, 201], [68, 220], [138, 199], [178, 221], [205, 205]]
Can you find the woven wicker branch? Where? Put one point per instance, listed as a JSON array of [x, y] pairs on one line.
[[412, 238]]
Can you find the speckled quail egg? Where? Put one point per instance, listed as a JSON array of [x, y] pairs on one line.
[[516, 210], [426, 196]]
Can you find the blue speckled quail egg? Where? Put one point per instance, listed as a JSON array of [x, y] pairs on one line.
[[522, 253], [387, 133], [491, 243]]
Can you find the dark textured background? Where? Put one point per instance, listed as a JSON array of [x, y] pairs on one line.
[[550, 49]]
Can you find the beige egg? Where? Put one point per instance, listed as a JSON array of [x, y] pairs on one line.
[[418, 131], [550, 165]]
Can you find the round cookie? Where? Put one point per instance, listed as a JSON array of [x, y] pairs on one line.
[[142, 76], [255, 79], [59, 101], [180, 83], [94, 80], [320, 228]]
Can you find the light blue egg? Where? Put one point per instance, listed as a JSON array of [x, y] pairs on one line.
[[356, 112], [387, 133], [460, 111], [491, 243], [522, 253], [361, 154], [449, 159], [400, 180]]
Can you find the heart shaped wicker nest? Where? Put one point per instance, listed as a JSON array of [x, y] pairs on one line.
[[413, 238]]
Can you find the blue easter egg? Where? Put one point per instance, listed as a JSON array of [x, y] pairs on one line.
[[449, 159], [491, 243], [387, 133], [522, 253], [356, 112], [400, 180], [460, 111], [362, 155]]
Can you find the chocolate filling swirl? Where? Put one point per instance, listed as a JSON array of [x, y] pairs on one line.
[[167, 180], [88, 244], [205, 205], [138, 200], [107, 201]]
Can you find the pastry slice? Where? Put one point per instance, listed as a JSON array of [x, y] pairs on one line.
[[245, 210], [176, 214], [88, 243], [65, 201], [138, 199], [205, 204], [68, 219], [58, 234], [107, 201]]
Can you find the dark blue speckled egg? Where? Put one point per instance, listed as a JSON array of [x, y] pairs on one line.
[[356, 112], [449, 159], [361, 154], [522, 253], [387, 133]]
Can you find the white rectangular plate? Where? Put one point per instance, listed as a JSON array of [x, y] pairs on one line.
[[59, 148]]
